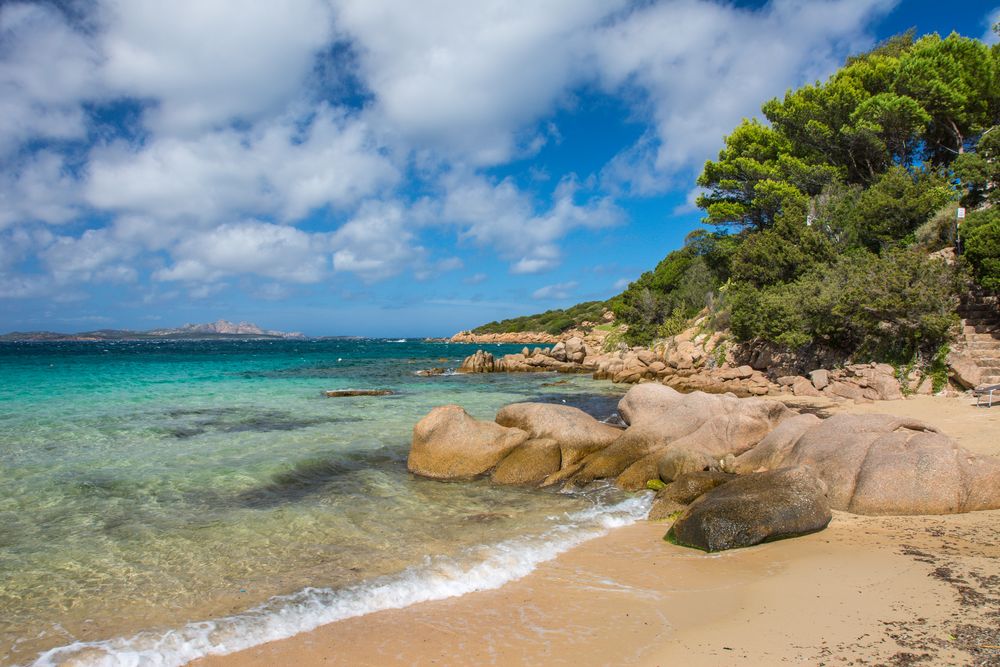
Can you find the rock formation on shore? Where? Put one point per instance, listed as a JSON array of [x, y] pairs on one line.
[[701, 444], [694, 360]]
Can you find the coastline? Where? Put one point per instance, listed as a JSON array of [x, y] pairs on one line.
[[878, 588]]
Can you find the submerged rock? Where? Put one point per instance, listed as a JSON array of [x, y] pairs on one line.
[[754, 508], [340, 393]]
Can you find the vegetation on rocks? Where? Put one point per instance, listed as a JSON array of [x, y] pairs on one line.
[[825, 216], [823, 220], [551, 321]]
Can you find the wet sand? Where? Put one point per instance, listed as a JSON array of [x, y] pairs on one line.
[[868, 590]]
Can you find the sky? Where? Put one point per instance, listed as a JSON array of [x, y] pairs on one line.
[[376, 168]]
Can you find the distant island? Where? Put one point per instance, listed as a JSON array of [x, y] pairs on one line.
[[220, 329]]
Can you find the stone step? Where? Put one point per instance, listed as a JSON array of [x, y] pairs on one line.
[[981, 348], [981, 329], [980, 321], [983, 337]]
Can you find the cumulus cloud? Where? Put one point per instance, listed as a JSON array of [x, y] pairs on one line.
[[38, 188], [469, 79], [278, 168], [237, 145], [93, 256], [46, 69], [556, 291], [700, 66], [502, 217], [375, 244], [206, 62], [991, 19], [261, 248]]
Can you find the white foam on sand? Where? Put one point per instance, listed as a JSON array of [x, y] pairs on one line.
[[475, 569]]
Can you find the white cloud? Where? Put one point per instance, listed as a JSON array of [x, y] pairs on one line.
[[501, 217], [375, 244], [38, 189], [555, 292], [90, 257], [991, 19], [46, 69], [700, 66], [206, 62], [265, 249], [274, 169], [470, 79]]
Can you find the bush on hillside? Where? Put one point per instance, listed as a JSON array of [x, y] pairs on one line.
[[981, 246], [880, 307]]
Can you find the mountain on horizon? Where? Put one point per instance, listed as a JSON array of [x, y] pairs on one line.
[[218, 329]]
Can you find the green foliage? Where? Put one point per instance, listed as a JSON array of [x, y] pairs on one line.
[[756, 178], [680, 286], [938, 368], [882, 307], [551, 321], [978, 171], [981, 246], [780, 254], [612, 341], [939, 231], [893, 207]]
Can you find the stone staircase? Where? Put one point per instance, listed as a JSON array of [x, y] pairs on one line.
[[978, 345]]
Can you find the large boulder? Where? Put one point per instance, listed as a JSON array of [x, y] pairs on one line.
[[646, 400], [754, 508], [529, 463], [881, 464], [772, 450], [699, 427], [578, 433], [576, 351], [684, 490], [449, 443]]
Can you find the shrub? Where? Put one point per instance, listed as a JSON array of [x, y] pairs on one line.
[[887, 307], [980, 235]]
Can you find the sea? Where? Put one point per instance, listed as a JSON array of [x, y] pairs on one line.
[[166, 500]]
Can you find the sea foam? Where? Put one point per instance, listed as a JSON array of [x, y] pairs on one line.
[[477, 568]]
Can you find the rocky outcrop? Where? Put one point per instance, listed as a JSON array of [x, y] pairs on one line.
[[870, 464], [671, 433], [535, 337], [530, 463], [755, 508], [880, 464], [449, 443], [693, 361]]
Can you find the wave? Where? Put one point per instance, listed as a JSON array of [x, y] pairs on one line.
[[477, 568]]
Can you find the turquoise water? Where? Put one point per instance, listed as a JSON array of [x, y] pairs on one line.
[[208, 493]]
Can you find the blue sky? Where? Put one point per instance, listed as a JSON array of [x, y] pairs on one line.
[[365, 167]]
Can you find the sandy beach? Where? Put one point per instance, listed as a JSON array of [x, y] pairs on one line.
[[868, 590]]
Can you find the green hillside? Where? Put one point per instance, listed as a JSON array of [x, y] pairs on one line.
[[551, 321], [821, 221]]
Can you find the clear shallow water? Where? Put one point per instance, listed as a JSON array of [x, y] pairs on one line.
[[162, 500]]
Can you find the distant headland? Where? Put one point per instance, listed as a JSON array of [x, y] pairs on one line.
[[220, 329]]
